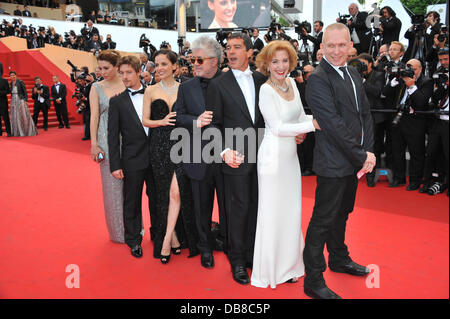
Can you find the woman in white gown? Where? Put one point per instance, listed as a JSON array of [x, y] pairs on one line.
[[279, 241]]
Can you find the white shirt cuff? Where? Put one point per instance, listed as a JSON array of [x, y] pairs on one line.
[[223, 152], [412, 89]]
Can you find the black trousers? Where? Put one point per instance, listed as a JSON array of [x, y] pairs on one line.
[[410, 133], [241, 204], [87, 123], [203, 196], [438, 138], [61, 113], [38, 107], [133, 184], [5, 115], [334, 201]]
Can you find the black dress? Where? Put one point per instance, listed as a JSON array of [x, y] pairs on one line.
[[163, 170]]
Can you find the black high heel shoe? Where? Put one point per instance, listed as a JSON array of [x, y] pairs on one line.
[[165, 259], [176, 250]]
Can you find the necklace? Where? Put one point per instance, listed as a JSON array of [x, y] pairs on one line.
[[285, 90], [169, 90]]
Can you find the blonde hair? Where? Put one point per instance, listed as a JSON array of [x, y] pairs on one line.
[[402, 47], [264, 58]]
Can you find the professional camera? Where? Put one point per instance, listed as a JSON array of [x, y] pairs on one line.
[[344, 18], [248, 31], [302, 25], [401, 110], [78, 94], [418, 22], [360, 66], [441, 75], [221, 36], [143, 41], [444, 34], [399, 70], [73, 74], [164, 45]]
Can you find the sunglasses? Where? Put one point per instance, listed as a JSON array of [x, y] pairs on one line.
[[199, 60]]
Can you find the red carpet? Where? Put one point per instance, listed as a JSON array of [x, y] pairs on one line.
[[51, 216]]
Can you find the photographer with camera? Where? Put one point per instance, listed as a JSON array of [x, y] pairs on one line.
[[438, 137], [390, 25], [356, 22], [420, 40], [382, 58], [373, 82], [258, 44], [409, 128], [109, 44], [440, 42], [94, 45], [89, 30], [81, 94], [41, 97], [316, 39]]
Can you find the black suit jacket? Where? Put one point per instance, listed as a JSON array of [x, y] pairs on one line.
[[374, 86], [26, 13], [189, 106], [62, 93], [338, 151], [108, 46], [258, 45], [45, 94], [427, 45], [17, 13], [123, 121], [227, 102], [4, 91], [316, 41], [364, 33], [21, 89], [391, 30]]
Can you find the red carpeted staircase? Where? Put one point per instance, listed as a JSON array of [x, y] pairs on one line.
[[52, 119]]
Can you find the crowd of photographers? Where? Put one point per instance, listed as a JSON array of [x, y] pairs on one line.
[[407, 87]]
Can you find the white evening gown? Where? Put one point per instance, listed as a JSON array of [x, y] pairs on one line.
[[279, 240]]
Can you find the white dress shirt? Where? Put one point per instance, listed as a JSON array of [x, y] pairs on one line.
[[138, 103], [247, 85]]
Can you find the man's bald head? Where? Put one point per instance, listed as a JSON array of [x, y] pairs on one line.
[[416, 65], [146, 76]]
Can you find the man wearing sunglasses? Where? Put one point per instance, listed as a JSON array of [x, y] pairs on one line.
[[205, 178]]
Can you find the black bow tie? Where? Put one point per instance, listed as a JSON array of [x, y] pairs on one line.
[[141, 91]]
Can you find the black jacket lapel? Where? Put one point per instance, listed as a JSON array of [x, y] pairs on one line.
[[130, 107], [236, 94]]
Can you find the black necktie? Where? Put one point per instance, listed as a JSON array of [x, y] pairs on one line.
[[133, 93], [349, 84]]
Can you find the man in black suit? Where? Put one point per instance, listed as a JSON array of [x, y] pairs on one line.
[[129, 151], [257, 42], [109, 44], [421, 39], [59, 94], [4, 91], [94, 45], [192, 115], [41, 97], [359, 32], [343, 151], [414, 93], [17, 12], [89, 30], [390, 25], [233, 99], [26, 12], [373, 85], [317, 39]]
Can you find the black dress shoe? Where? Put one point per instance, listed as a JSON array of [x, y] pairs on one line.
[[352, 268], [413, 186], [207, 260], [60, 126], [68, 126], [397, 183], [321, 293], [85, 138], [240, 275], [136, 251]]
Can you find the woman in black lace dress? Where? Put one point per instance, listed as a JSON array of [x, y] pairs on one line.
[[175, 227]]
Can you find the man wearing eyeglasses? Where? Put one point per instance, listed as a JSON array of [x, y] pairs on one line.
[[205, 178]]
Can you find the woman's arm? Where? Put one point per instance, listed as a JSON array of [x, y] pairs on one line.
[[95, 118], [146, 112]]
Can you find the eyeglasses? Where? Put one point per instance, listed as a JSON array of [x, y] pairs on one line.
[[199, 60]]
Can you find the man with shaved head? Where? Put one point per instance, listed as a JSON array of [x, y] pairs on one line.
[[343, 153], [415, 93]]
